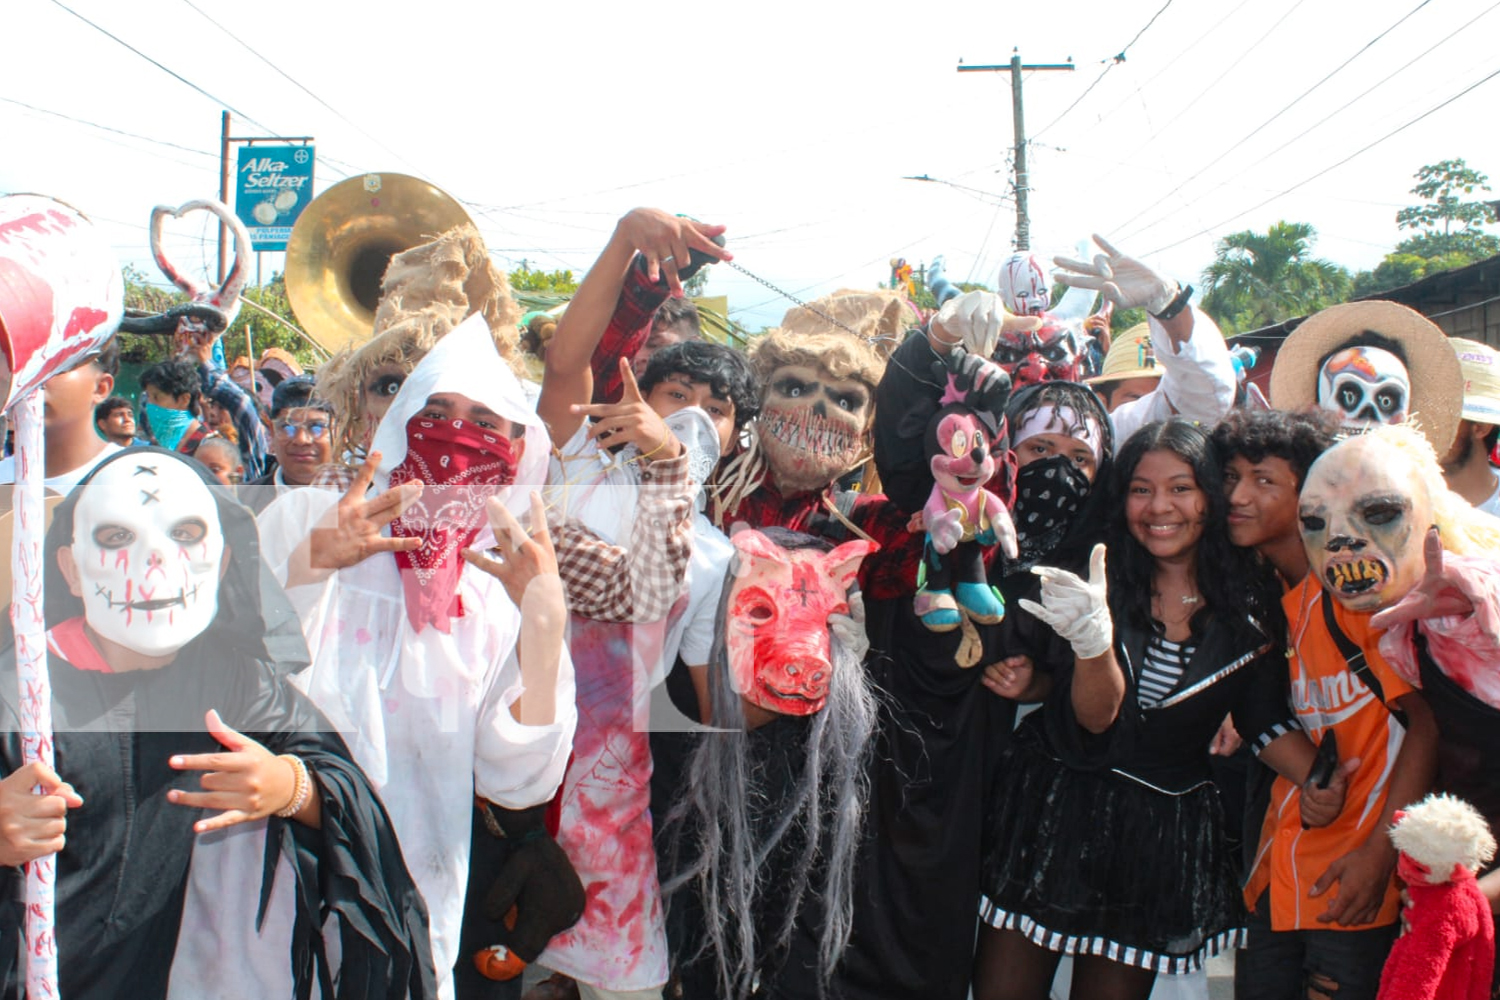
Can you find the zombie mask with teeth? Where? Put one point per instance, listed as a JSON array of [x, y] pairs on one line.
[[1364, 514], [146, 554], [812, 426]]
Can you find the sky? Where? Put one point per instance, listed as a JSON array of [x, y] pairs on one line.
[[793, 124]]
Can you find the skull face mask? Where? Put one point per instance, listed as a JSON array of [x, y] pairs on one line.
[[1047, 354], [1364, 386], [812, 427], [1364, 513], [776, 629], [147, 546], [1023, 285]]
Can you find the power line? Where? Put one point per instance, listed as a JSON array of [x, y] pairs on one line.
[[1220, 158], [286, 76], [1331, 167], [172, 73], [1109, 66], [1204, 92], [106, 128], [1321, 121]]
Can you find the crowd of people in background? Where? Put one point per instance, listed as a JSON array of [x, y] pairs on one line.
[[996, 654]]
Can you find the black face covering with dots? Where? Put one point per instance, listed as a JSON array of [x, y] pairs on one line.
[[1049, 492]]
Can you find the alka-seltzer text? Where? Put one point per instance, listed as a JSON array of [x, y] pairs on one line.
[[266, 172]]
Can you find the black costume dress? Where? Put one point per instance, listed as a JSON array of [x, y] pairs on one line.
[[1113, 844], [122, 876]]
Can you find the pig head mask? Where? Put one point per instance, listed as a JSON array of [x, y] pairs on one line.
[[1364, 513], [777, 611], [148, 548]]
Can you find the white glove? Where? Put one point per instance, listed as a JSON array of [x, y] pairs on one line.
[[1123, 280], [1077, 610], [976, 320]]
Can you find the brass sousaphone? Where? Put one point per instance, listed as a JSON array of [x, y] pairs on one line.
[[342, 242]]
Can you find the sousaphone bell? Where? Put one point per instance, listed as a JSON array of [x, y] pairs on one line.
[[342, 242]]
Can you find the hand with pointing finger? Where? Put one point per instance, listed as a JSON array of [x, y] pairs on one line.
[[630, 421], [1448, 587], [246, 782]]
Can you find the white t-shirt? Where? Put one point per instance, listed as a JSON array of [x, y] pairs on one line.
[[1492, 505], [64, 482]]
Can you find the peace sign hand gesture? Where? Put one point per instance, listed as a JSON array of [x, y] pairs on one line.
[[630, 421]]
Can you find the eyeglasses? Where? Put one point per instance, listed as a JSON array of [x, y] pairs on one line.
[[315, 428]]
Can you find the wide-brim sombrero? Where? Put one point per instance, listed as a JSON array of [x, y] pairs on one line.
[[1437, 382]]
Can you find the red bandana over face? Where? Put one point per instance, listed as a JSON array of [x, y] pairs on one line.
[[462, 466]]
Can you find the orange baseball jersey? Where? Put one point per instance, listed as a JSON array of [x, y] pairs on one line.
[[1326, 694]]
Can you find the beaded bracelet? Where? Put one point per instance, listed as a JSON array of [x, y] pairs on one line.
[[301, 788]]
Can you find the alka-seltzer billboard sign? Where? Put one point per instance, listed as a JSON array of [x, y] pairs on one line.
[[273, 186]]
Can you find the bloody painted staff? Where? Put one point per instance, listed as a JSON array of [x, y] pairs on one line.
[[60, 299]]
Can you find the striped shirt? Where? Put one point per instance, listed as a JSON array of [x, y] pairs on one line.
[[1165, 662]]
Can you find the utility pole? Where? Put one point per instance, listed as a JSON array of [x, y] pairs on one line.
[[1023, 183]]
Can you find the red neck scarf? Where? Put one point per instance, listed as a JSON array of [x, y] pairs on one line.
[[462, 466]]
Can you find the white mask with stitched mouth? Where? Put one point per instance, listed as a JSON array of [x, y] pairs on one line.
[[147, 546], [1364, 386]]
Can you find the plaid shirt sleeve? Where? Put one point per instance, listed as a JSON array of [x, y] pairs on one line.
[[627, 332], [255, 445], [641, 581]]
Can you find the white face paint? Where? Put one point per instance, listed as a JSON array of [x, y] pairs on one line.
[[1023, 285], [148, 544], [1364, 386]]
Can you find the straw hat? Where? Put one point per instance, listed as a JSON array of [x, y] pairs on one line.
[[1436, 380], [1129, 356], [1480, 364]]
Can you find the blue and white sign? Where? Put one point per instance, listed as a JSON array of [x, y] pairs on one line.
[[272, 187]]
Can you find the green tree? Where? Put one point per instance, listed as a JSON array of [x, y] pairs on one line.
[[1447, 223], [559, 283], [265, 331], [1257, 279], [1448, 233]]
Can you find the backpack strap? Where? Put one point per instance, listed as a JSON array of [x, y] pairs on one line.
[[1355, 657]]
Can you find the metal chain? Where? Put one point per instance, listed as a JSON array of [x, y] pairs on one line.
[[786, 294]]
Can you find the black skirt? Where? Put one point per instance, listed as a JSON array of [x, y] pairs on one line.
[[1096, 863]]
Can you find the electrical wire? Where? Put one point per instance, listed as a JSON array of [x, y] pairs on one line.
[[1223, 156], [170, 72], [288, 77], [1385, 79], [106, 128], [1205, 91], [1111, 64], [1331, 167]]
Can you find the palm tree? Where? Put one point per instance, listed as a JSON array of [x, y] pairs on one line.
[[1258, 279]]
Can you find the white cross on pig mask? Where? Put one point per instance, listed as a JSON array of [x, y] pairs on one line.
[[1364, 386], [147, 547]]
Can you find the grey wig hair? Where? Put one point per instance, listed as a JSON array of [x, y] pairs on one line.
[[711, 825]]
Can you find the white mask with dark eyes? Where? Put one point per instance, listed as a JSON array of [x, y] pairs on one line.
[[1364, 386], [1023, 285], [148, 544]]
